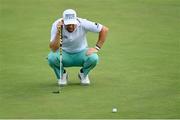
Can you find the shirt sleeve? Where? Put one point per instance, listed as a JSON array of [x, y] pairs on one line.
[[54, 29], [91, 26]]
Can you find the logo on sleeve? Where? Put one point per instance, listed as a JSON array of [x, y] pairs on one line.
[[97, 25]]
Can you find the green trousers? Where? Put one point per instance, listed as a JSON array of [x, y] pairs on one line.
[[80, 59]]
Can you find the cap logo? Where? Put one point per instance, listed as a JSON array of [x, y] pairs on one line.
[[69, 16]]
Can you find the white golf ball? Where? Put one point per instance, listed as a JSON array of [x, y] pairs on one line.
[[114, 110]]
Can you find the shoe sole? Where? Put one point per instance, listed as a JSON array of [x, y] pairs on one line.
[[62, 85]]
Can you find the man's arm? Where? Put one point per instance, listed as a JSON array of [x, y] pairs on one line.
[[102, 37], [55, 43], [100, 42]]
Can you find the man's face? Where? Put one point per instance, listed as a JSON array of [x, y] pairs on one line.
[[70, 27]]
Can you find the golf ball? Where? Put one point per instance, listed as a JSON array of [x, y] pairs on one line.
[[114, 110]]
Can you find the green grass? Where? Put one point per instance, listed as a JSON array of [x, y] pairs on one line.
[[138, 72]]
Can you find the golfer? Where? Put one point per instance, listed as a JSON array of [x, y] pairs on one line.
[[75, 50]]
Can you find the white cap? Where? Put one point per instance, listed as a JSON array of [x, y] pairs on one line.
[[69, 17]]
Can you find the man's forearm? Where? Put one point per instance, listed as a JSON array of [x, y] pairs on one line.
[[55, 43], [102, 37]]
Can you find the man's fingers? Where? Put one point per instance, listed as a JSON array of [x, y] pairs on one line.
[[59, 25], [91, 51]]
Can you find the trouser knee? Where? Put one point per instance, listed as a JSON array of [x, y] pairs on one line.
[[52, 59], [93, 59]]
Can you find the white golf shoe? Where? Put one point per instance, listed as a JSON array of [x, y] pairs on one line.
[[63, 80], [84, 80]]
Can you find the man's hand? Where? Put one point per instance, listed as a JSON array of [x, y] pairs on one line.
[[60, 23], [91, 51]]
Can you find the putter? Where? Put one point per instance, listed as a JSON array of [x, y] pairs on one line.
[[60, 60], [60, 50]]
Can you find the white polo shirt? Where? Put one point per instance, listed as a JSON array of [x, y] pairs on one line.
[[76, 41]]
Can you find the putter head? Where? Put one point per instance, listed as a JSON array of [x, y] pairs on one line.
[[56, 92]]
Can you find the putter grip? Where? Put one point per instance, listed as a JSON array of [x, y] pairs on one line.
[[60, 34]]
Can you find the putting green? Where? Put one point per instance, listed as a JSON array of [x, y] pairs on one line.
[[138, 72]]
